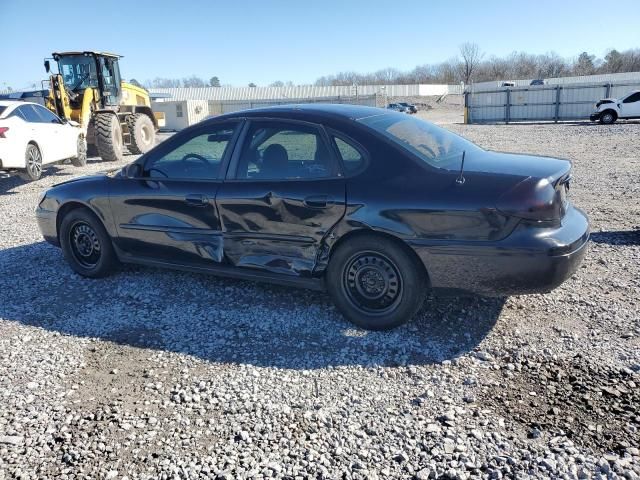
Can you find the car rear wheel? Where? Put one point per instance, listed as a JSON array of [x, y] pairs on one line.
[[86, 245], [33, 163], [608, 117], [375, 283]]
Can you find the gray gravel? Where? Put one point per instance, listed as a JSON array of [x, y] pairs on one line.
[[159, 374]]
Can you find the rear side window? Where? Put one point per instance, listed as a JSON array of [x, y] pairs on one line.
[[352, 158], [281, 151]]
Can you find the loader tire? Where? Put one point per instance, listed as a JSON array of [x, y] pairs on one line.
[[143, 133], [108, 137]]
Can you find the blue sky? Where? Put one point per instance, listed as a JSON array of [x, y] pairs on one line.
[[244, 41]]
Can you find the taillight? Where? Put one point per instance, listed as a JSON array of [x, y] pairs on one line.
[[3, 130], [532, 199]]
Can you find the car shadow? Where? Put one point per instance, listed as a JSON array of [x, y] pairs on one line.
[[617, 237], [227, 321], [7, 185]]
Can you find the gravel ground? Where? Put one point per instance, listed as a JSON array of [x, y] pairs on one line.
[[131, 377]]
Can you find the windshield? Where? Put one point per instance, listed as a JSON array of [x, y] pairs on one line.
[[78, 72], [436, 146]]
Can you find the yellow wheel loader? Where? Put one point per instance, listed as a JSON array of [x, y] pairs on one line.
[[114, 114]]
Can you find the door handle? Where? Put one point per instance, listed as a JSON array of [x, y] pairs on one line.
[[317, 201], [197, 200]]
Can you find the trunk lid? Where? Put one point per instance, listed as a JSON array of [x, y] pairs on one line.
[[517, 165]]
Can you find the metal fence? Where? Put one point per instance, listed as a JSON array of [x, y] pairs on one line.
[[540, 103], [228, 106], [626, 77]]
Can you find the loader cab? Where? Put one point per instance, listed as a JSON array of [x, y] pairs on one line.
[[82, 70]]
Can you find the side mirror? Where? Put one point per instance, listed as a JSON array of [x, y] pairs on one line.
[[47, 66], [133, 170]]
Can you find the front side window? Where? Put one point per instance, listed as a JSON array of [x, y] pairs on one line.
[[28, 113], [632, 98], [434, 145], [274, 150], [46, 116], [198, 157]]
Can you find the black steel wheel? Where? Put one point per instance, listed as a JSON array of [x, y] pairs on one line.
[[372, 282], [86, 244], [375, 281]]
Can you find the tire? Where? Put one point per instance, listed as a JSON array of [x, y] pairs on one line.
[[375, 283], [108, 137], [92, 150], [80, 160], [143, 133], [608, 117], [32, 163], [86, 245]]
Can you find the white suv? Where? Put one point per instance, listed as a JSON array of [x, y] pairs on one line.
[[608, 110]]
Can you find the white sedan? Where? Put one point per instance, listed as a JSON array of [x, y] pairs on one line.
[[31, 136]]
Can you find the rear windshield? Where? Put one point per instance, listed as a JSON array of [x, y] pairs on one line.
[[2, 109], [434, 145]]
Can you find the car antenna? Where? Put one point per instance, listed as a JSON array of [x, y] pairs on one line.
[[460, 179]]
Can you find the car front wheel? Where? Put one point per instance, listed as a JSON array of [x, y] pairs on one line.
[[608, 118], [86, 245], [80, 160], [376, 283]]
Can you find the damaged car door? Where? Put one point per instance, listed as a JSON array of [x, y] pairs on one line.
[[283, 194], [164, 209]]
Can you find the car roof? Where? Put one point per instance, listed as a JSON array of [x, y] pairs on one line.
[[311, 111], [10, 105]]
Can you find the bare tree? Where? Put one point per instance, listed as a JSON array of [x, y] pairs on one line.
[[517, 65], [471, 56], [613, 62], [163, 83], [193, 81]]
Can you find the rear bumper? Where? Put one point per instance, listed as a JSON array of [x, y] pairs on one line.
[[530, 260], [10, 159], [47, 224], [595, 116]]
